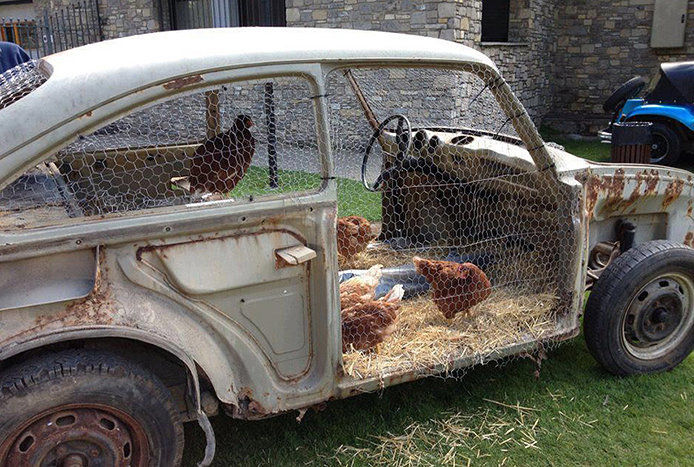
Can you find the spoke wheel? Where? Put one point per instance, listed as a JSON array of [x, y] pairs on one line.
[[659, 148], [78, 436]]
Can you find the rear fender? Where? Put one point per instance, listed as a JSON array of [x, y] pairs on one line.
[[683, 114]]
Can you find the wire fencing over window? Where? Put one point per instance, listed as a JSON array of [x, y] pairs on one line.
[[19, 81], [451, 242], [236, 143]]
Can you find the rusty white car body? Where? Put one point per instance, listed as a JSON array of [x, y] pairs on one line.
[[204, 284]]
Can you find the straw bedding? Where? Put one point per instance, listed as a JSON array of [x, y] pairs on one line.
[[425, 338]]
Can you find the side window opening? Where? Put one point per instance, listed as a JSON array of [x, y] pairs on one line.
[[21, 80], [240, 142], [455, 233]]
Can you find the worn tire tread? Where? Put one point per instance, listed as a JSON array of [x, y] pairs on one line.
[[612, 282], [51, 366]]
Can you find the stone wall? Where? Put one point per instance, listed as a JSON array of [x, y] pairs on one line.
[[122, 18], [526, 61], [447, 19], [600, 46], [119, 18], [563, 59]]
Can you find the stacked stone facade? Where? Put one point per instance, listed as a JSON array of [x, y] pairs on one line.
[[563, 59], [602, 44]]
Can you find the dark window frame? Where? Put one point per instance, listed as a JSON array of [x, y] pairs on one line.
[[496, 15], [248, 13]]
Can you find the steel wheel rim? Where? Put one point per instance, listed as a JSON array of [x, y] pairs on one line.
[[659, 317], [659, 148], [78, 435]]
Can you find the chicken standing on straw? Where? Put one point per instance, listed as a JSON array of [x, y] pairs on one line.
[[455, 287], [366, 324]]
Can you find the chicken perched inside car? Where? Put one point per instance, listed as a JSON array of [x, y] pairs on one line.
[[455, 287], [222, 161], [353, 235], [367, 323], [360, 288]]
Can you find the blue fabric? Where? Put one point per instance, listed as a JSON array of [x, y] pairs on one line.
[[11, 55], [414, 283]]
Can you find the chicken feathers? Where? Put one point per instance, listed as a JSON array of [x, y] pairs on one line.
[[353, 235], [221, 162], [360, 288], [455, 287], [367, 324]]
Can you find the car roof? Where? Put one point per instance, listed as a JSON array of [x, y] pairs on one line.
[[199, 49], [85, 77]]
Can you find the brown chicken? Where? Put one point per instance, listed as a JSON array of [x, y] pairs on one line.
[[455, 287], [359, 289], [353, 235], [221, 162], [367, 324]]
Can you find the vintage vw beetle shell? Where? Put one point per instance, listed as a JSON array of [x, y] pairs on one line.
[[99, 249]]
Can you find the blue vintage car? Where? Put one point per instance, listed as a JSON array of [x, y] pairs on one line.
[[668, 102]]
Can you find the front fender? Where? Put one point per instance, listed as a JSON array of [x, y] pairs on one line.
[[658, 200], [683, 114]]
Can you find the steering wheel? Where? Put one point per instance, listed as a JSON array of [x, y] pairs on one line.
[[403, 138]]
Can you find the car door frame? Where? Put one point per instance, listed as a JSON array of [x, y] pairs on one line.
[[222, 370]]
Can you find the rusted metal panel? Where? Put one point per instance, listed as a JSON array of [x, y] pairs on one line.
[[183, 82], [689, 239]]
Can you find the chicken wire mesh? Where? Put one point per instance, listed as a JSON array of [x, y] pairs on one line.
[[21, 80], [238, 142], [451, 242]]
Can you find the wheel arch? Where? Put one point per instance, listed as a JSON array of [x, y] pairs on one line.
[[683, 128], [112, 339]]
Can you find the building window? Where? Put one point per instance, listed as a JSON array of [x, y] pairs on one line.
[[495, 20], [192, 14]]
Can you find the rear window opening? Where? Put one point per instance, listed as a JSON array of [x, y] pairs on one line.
[[22, 80]]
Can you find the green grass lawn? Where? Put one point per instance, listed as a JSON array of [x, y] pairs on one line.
[[574, 413]]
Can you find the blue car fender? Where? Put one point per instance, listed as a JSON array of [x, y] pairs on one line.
[[681, 113]]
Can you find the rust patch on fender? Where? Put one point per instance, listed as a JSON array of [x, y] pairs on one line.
[[97, 307], [179, 83], [249, 408], [689, 239], [672, 192], [610, 185]]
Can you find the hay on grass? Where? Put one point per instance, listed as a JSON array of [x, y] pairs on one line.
[[424, 338]]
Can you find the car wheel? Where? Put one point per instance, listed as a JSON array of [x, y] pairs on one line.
[[666, 146], [640, 315], [82, 408]]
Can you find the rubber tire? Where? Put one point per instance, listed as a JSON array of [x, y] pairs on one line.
[[88, 376], [611, 296], [626, 91], [674, 143]]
